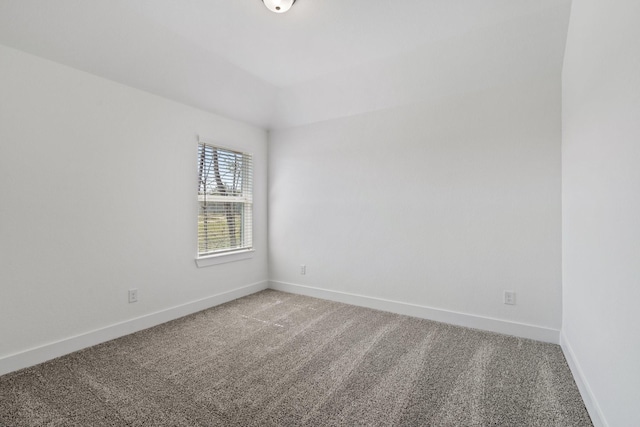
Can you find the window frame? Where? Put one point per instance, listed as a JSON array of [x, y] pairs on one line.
[[227, 255]]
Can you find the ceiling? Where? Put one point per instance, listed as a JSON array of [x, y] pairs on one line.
[[238, 59]]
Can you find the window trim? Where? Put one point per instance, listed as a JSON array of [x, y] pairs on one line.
[[224, 257], [232, 255]]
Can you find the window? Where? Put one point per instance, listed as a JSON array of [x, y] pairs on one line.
[[225, 185]]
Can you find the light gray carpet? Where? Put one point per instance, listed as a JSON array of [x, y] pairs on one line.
[[277, 359]]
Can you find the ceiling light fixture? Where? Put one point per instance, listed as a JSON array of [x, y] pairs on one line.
[[278, 6]]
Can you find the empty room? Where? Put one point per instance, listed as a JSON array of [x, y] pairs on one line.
[[319, 213]]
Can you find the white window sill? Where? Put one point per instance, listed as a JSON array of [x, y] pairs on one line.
[[224, 258]]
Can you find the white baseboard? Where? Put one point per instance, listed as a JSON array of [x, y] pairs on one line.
[[522, 330], [50, 351], [597, 417]]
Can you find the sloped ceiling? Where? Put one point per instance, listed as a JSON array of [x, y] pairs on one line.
[[323, 59]]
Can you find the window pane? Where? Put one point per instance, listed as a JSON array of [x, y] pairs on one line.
[[224, 196]]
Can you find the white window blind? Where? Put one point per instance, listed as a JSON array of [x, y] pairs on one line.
[[225, 186]]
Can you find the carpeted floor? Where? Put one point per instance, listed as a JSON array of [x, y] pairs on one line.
[[278, 359]]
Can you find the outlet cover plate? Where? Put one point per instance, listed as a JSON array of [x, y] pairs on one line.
[[510, 297], [133, 295]]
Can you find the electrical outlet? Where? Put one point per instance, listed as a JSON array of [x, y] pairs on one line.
[[510, 297], [133, 295], [303, 269]]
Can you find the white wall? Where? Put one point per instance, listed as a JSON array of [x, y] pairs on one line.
[[97, 195], [601, 206], [441, 205]]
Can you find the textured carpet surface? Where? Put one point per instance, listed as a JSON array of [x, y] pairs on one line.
[[277, 359]]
